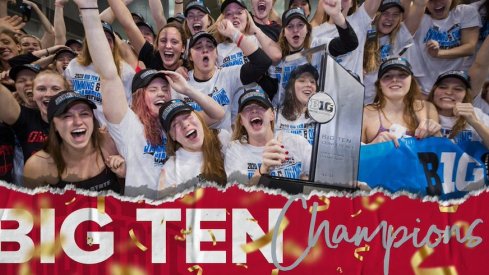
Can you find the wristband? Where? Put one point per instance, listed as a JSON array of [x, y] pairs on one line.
[[89, 8], [259, 171]]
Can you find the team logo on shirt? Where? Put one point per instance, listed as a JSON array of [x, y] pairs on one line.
[[385, 52], [236, 59], [158, 152], [446, 39], [290, 169], [219, 96], [305, 130], [87, 85], [464, 135]]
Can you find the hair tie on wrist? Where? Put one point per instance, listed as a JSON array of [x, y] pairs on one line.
[[89, 8]]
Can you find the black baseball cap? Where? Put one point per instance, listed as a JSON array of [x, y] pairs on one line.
[[394, 63], [63, 100], [254, 95], [179, 17], [196, 5], [387, 4], [292, 2], [64, 50], [227, 2], [138, 16], [144, 24], [462, 75], [305, 68], [108, 28], [73, 41], [196, 37], [144, 77], [293, 13], [16, 70], [170, 109]]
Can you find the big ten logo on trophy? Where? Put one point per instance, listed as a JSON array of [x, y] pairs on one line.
[[321, 107]]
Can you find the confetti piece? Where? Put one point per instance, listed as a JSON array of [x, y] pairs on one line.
[[448, 209], [136, 241], [70, 202], [193, 198], [48, 249], [423, 253], [243, 265], [361, 249], [184, 233], [214, 242], [324, 207], [196, 268], [89, 241], [251, 220], [374, 205], [162, 221], [117, 269], [294, 250], [25, 269], [227, 212], [264, 240], [274, 271], [339, 269], [356, 213], [101, 204]]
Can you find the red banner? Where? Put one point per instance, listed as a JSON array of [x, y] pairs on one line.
[[213, 231]]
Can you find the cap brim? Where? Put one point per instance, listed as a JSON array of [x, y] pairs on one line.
[[293, 16], [72, 102], [390, 5], [204, 35], [227, 3], [176, 113], [259, 101], [15, 71], [461, 78]]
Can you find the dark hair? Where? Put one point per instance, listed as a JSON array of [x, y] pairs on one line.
[[284, 44], [292, 108]]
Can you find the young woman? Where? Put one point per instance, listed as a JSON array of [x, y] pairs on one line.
[[194, 150], [137, 131], [9, 47], [222, 83], [197, 18], [296, 37], [86, 81], [73, 153], [391, 32], [169, 44], [62, 59], [303, 4], [256, 150], [447, 34], [262, 16], [292, 116], [396, 112]]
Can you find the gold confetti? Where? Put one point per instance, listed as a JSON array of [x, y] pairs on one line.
[[264, 240], [214, 242], [324, 207], [196, 268], [243, 265], [423, 253], [274, 271], [48, 249], [339, 269], [374, 205], [365, 248], [448, 209], [136, 241], [162, 221], [101, 204], [70, 202], [293, 250], [356, 213], [117, 269], [227, 212], [184, 233], [193, 198], [251, 220], [25, 269], [89, 241]]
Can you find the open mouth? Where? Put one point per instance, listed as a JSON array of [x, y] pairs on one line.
[[262, 7], [168, 55], [236, 24], [447, 99], [191, 134], [256, 123], [45, 102], [206, 60], [29, 94], [197, 27], [78, 133], [159, 103]]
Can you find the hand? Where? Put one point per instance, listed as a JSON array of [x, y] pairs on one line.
[[274, 153], [117, 164], [177, 82], [427, 128], [29, 3], [226, 28], [433, 48], [11, 23], [5, 79], [386, 136], [465, 110], [331, 7], [54, 49], [183, 71]]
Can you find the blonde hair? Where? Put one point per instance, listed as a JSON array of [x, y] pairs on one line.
[[239, 131], [85, 59], [219, 37]]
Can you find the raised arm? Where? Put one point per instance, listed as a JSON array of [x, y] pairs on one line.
[[9, 107], [371, 7], [124, 17], [114, 100], [479, 71], [47, 39], [157, 13], [270, 47], [59, 22], [413, 15], [178, 8]]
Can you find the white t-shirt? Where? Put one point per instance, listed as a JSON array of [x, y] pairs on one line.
[[302, 126], [469, 133], [448, 33], [387, 50], [186, 165], [229, 54], [244, 158], [360, 22], [143, 160], [221, 87], [86, 81]]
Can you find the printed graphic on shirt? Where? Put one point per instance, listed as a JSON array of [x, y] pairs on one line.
[[286, 72], [446, 39], [37, 137], [220, 97], [385, 52], [88, 86], [234, 60], [158, 152], [290, 169], [305, 130], [6, 157], [464, 135]]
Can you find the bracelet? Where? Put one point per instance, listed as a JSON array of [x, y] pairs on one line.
[[259, 171], [89, 8], [240, 39]]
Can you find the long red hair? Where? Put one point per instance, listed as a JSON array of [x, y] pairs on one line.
[[151, 124]]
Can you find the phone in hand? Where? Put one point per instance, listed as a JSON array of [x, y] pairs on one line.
[[25, 10]]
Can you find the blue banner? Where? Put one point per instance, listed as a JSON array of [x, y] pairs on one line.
[[431, 166]]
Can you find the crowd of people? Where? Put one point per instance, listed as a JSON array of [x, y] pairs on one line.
[[202, 99]]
